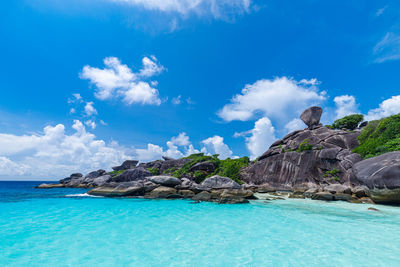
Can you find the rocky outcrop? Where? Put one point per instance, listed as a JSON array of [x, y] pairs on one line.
[[381, 175], [205, 166], [219, 182], [130, 175], [48, 186], [126, 165], [165, 180]]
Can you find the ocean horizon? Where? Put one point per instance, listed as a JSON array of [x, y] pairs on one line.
[[66, 227]]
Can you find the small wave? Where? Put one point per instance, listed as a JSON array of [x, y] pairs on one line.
[[81, 195]]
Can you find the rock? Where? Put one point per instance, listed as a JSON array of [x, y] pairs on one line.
[[338, 188], [119, 191], [363, 124], [311, 116], [48, 186], [329, 153], [167, 158], [205, 166], [219, 182], [366, 200], [162, 192], [136, 174], [101, 180], [381, 175], [310, 192], [126, 165], [72, 176], [373, 209], [186, 193], [323, 196], [95, 174], [300, 196], [165, 180], [361, 191], [342, 197], [202, 196]]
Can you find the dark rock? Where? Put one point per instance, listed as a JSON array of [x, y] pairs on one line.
[[72, 176], [126, 165], [135, 189], [101, 180], [167, 158], [361, 191], [329, 153], [219, 182], [373, 209], [202, 196], [381, 175], [95, 174], [136, 174], [165, 180], [311, 116], [323, 196], [338, 188], [186, 193], [363, 124]]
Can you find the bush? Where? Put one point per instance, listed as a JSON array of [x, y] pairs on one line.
[[305, 146], [379, 137], [349, 122], [154, 171]]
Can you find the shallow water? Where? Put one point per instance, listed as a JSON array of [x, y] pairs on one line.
[[65, 227]]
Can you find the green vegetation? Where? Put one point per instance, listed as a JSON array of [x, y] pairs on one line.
[[305, 146], [227, 167], [349, 122], [115, 173], [332, 173], [154, 171], [379, 137]]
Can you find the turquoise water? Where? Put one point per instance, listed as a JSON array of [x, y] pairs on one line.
[[49, 228]]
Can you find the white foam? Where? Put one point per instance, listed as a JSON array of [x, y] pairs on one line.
[[81, 195]]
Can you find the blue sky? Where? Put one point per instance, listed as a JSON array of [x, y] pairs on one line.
[[87, 84]]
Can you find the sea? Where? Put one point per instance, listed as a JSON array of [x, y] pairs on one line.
[[67, 227]]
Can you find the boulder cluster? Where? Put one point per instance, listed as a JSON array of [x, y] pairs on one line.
[[316, 163]]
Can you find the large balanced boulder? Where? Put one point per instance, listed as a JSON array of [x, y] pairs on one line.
[[219, 182], [120, 190], [311, 116], [381, 175], [101, 180]]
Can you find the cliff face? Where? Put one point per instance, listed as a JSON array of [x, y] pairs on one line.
[[314, 157]]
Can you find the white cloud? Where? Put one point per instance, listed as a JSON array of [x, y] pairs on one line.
[[380, 11], [72, 111], [118, 80], [77, 96], [260, 137], [220, 9], [181, 140], [89, 109], [176, 100], [294, 125], [91, 124], [281, 98], [216, 145], [387, 108], [55, 154], [345, 105], [103, 123], [388, 48]]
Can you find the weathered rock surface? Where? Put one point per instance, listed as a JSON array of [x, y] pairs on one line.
[[311, 116], [381, 175], [163, 192], [165, 180], [136, 174], [205, 166], [101, 180], [126, 165], [48, 186], [288, 165], [219, 182]]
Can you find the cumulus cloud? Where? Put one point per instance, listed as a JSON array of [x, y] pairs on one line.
[[176, 100], [216, 145], [345, 105], [90, 124], [387, 108], [388, 48], [259, 138], [181, 140], [279, 98], [89, 109], [294, 125], [56, 154], [117, 80], [220, 9]]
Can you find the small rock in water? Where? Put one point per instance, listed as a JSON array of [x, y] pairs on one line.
[[373, 209]]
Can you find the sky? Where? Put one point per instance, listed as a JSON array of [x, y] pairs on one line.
[[87, 84]]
